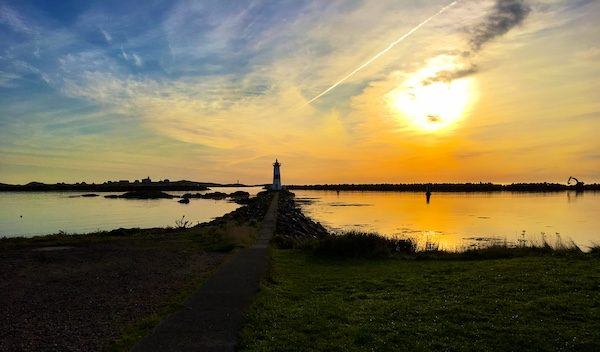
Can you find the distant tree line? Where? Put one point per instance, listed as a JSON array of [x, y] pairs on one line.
[[447, 187]]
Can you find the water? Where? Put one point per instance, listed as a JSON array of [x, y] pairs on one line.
[[49, 212], [457, 220]]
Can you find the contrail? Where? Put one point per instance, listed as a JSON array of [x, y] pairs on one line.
[[394, 43]]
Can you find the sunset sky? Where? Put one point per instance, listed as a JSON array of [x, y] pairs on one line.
[[496, 91]]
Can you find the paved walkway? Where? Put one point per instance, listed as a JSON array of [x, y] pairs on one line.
[[212, 317]]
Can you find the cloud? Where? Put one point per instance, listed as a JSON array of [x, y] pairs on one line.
[[447, 76], [106, 36], [136, 59], [588, 55], [132, 57], [7, 78], [505, 15], [12, 19]]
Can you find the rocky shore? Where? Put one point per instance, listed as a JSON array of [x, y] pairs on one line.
[[237, 195], [253, 211], [293, 226]]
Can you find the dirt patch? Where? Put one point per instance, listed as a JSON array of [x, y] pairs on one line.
[[81, 297], [52, 248]]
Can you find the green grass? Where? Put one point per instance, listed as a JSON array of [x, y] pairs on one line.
[[315, 303]]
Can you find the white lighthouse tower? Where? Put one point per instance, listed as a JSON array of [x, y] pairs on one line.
[[276, 176]]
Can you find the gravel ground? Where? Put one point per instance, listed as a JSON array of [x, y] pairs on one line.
[[81, 297]]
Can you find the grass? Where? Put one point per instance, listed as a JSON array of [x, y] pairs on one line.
[[533, 303], [221, 238]]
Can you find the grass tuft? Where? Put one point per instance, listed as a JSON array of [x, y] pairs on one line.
[[361, 245]]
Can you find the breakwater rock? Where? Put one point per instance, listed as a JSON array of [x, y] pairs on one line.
[[236, 196], [253, 211], [293, 227]]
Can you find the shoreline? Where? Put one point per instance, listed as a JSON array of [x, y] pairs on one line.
[[117, 186]]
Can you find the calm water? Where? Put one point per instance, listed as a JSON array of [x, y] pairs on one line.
[[50, 212], [456, 220]]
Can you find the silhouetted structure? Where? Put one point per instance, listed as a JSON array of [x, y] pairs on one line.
[[276, 176], [428, 193], [578, 184]]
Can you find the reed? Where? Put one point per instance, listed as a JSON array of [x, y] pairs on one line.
[[354, 244]]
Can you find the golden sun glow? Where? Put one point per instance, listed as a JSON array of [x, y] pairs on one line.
[[435, 105]]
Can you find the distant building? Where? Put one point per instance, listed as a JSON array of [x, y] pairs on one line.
[[146, 180], [123, 181], [276, 176]]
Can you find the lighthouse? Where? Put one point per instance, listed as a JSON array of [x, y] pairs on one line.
[[276, 176]]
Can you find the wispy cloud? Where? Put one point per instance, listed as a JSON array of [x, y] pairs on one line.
[[12, 19], [6, 78], [106, 36]]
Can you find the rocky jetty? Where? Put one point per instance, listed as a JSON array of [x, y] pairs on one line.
[[235, 196], [252, 212], [293, 227]]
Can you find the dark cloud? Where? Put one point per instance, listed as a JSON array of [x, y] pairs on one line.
[[505, 15], [450, 75]]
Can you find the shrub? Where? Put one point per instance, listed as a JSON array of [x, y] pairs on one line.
[[362, 244]]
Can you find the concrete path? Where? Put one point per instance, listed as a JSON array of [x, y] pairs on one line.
[[212, 317]]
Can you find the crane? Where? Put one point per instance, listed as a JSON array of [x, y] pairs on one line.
[[578, 184]]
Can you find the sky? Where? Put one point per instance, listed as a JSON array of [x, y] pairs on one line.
[[486, 90]]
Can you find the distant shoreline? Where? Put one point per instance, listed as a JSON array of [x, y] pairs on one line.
[[449, 187], [115, 186], [185, 185]]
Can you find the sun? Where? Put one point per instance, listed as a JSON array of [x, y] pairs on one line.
[[431, 107]]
